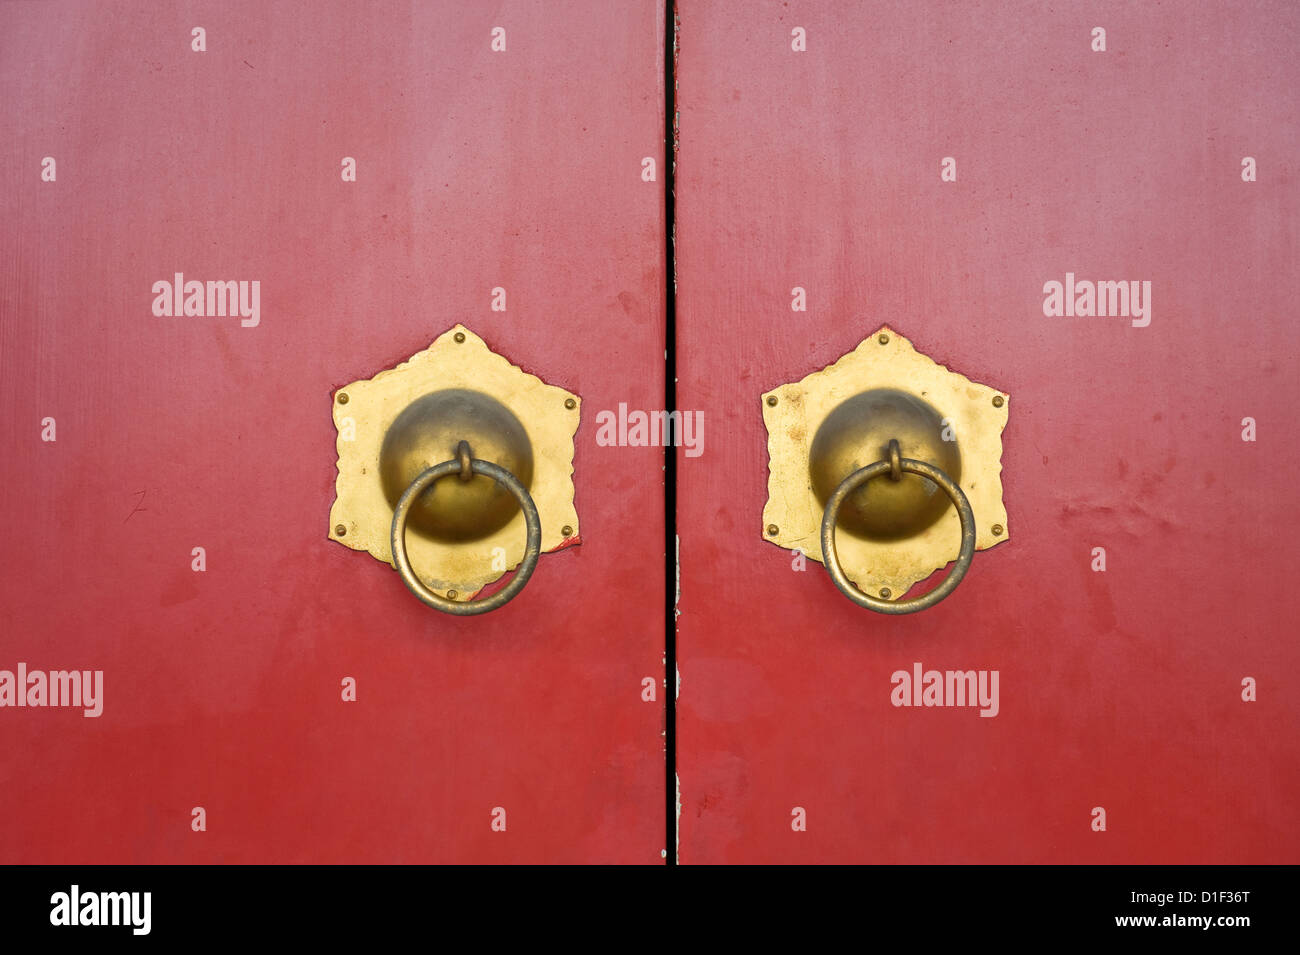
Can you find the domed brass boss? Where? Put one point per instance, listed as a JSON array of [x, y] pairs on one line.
[[885, 466], [429, 431], [455, 467], [858, 433]]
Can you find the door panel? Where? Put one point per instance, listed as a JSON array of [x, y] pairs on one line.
[[476, 169], [1120, 689]]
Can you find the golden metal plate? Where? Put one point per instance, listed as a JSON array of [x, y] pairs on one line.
[[975, 414], [361, 516]]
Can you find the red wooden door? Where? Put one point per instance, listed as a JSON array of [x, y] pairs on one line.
[[814, 145], [497, 146], [929, 167]]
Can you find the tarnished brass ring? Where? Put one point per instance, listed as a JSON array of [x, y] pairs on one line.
[[832, 559], [532, 547]]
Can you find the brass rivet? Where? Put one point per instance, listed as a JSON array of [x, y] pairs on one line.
[[773, 530], [771, 401], [886, 593], [997, 530], [998, 401], [460, 337], [343, 397], [883, 339], [340, 530], [570, 403], [451, 595], [566, 531]]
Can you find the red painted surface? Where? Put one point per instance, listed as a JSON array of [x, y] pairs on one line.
[[476, 169], [1120, 689]]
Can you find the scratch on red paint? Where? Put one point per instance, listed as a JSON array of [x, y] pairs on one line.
[[568, 542]]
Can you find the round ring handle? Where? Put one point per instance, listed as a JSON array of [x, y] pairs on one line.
[[861, 477], [532, 548]]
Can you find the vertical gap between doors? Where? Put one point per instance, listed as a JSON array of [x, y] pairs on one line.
[[670, 452]]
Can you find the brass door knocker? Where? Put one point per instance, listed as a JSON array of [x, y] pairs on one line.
[[886, 466], [455, 467], [466, 467], [896, 466]]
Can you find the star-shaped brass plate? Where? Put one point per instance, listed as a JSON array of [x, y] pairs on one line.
[[975, 414], [361, 516]]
